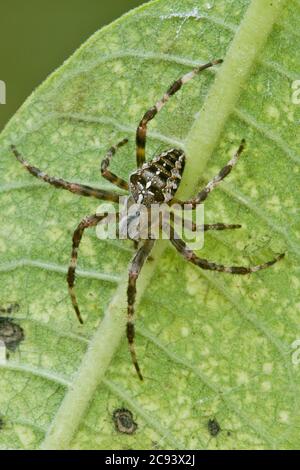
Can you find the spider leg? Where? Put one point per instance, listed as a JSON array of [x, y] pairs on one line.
[[106, 162], [141, 131], [134, 271], [75, 188], [190, 225], [135, 244], [220, 226], [202, 195], [89, 221], [202, 263]]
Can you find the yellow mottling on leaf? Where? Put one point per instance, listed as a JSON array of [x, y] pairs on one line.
[[266, 386], [295, 282], [242, 378], [268, 368], [273, 112], [185, 332], [284, 416]]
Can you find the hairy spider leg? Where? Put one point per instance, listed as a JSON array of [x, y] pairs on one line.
[[202, 263], [134, 271], [76, 188], [88, 221], [202, 195], [116, 180], [141, 132], [220, 226], [190, 225]]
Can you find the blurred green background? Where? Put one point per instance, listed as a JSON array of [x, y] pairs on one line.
[[36, 36]]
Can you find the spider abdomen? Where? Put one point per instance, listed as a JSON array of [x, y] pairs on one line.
[[157, 180]]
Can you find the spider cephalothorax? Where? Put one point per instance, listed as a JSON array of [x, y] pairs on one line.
[[154, 182]]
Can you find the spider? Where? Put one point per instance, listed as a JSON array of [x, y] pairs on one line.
[[155, 181]]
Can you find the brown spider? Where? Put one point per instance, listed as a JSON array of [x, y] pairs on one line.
[[153, 182]]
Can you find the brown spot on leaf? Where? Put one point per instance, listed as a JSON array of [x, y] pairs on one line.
[[124, 422], [10, 333], [213, 427]]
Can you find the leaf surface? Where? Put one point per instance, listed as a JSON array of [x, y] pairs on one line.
[[211, 346]]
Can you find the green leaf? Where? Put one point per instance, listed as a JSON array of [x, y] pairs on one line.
[[211, 345]]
